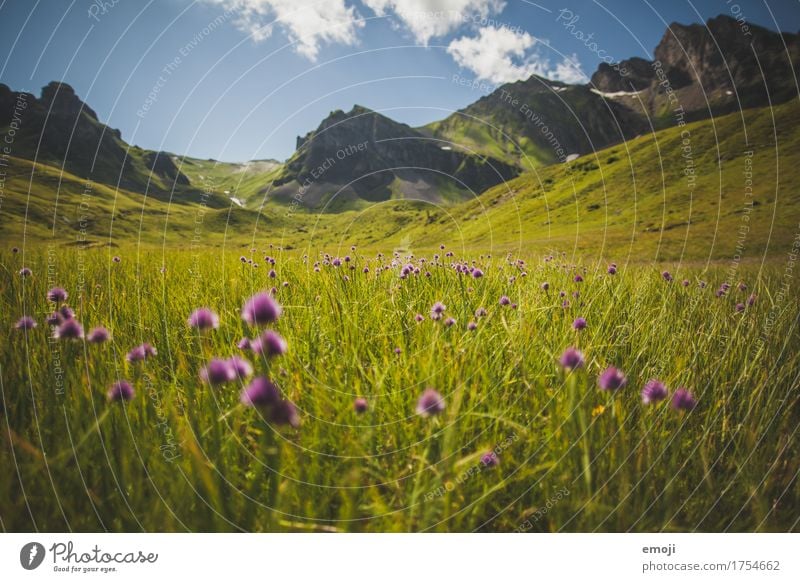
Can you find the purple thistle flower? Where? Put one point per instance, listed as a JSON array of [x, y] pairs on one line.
[[25, 322], [241, 367], [504, 300], [685, 282], [260, 393], [472, 326], [70, 329], [218, 372], [269, 344], [57, 295], [98, 335], [430, 403], [337, 262], [438, 308], [120, 391], [739, 307], [360, 405], [667, 276], [283, 412], [579, 323], [260, 309], [54, 318], [490, 459], [116, 259], [66, 313], [545, 286], [653, 391], [25, 272], [752, 299], [244, 344], [612, 270], [203, 318], [272, 274], [14, 250], [449, 322], [742, 287], [683, 400], [480, 312], [702, 284], [477, 273], [571, 359], [578, 279], [140, 353], [612, 379], [418, 317]]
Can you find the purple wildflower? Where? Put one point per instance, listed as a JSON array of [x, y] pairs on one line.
[[449, 322], [612, 379], [490, 459], [218, 372], [480, 312], [739, 307], [244, 344], [472, 326], [57, 295], [418, 317], [25, 322], [260, 309], [66, 313], [241, 367], [269, 344], [360, 405], [504, 300], [653, 391], [260, 393], [54, 318], [571, 359], [203, 318], [683, 400], [141, 352], [120, 391], [477, 273], [70, 329], [98, 335], [579, 323], [667, 276], [612, 270], [283, 412], [25, 272], [752, 299], [578, 279], [545, 286], [430, 403]]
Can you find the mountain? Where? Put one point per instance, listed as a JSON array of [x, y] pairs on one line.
[[362, 155], [699, 71], [60, 129]]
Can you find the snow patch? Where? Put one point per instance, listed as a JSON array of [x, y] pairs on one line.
[[615, 94]]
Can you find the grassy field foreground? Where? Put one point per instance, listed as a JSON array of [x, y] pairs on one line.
[[523, 442]]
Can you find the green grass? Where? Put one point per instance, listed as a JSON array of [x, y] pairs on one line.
[[631, 200], [181, 456]]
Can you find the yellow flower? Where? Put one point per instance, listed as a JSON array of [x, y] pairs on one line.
[[598, 410]]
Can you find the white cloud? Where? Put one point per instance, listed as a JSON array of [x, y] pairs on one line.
[[309, 23], [503, 55], [427, 19]]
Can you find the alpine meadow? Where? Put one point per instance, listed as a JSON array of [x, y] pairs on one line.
[[487, 292]]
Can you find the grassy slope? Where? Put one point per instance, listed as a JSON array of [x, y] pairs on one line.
[[628, 200]]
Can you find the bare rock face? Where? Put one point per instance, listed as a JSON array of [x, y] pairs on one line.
[[633, 74]]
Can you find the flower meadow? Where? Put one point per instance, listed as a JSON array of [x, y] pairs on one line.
[[274, 390]]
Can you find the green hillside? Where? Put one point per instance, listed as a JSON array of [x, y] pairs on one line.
[[634, 199]]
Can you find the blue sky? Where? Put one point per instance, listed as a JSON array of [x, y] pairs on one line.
[[241, 79]]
